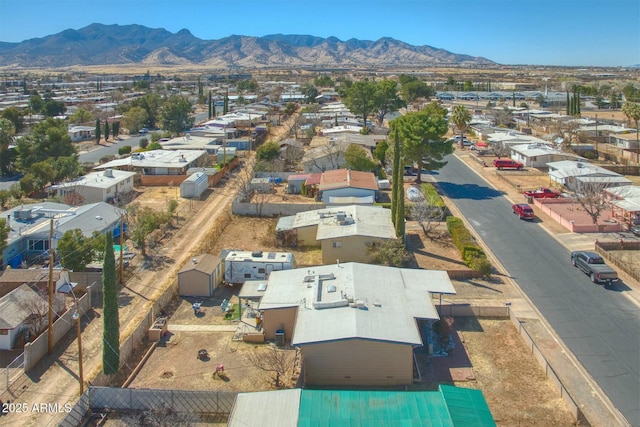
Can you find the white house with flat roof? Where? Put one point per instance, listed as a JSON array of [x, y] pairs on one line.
[[538, 155], [565, 171], [99, 186], [158, 162], [356, 324]]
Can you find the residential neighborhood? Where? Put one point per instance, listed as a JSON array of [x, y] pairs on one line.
[[270, 244]]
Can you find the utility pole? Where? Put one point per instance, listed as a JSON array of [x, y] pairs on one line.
[[76, 315], [50, 325], [121, 270]]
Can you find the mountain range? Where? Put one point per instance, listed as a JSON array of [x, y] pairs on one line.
[[99, 44]]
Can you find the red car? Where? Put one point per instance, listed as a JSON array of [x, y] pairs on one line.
[[543, 193], [523, 211]]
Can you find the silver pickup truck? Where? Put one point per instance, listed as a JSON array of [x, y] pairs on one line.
[[593, 265]]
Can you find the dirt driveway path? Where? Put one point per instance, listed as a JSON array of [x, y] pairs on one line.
[[54, 380]]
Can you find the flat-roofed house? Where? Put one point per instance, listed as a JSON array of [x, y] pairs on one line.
[[345, 233], [97, 187], [356, 324], [447, 406]]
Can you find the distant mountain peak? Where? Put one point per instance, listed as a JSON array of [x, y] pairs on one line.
[[101, 44]]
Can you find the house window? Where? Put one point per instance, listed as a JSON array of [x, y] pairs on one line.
[[4, 332], [247, 275], [38, 245], [336, 244], [261, 270]]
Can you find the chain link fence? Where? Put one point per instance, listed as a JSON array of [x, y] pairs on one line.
[[13, 371], [164, 401]]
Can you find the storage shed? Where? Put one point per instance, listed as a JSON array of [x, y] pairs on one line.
[[194, 186], [200, 276]]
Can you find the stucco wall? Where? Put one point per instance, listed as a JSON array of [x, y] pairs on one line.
[[357, 362], [273, 320], [307, 236], [353, 249]]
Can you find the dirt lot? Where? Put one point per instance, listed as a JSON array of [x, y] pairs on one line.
[[521, 396]]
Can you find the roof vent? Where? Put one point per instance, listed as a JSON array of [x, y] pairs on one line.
[[108, 173], [194, 260], [256, 254]]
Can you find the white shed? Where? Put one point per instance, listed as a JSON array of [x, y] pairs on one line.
[[194, 186]]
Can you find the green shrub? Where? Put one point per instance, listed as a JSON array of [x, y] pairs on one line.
[[124, 150], [481, 264], [432, 196]]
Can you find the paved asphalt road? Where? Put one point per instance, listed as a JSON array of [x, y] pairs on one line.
[[111, 149], [600, 325]]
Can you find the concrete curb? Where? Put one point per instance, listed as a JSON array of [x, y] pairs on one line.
[[591, 394]]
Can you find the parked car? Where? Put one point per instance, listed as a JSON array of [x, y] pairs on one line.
[[523, 210], [593, 265], [635, 230], [543, 193], [507, 164]]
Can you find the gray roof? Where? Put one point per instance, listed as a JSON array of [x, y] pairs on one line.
[[14, 307], [156, 159], [251, 409], [370, 221], [390, 300], [205, 263], [103, 179], [35, 215]]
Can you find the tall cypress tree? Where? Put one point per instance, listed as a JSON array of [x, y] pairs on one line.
[[396, 177], [568, 109], [225, 106], [106, 131], [98, 131], [400, 226], [111, 322], [210, 106], [115, 128], [578, 104]]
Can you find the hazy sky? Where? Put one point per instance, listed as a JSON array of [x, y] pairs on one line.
[[546, 32]]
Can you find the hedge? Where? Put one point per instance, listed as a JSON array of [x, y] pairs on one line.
[[431, 195], [472, 254]]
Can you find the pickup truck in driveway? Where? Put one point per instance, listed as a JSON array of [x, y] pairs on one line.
[[593, 265], [543, 193]]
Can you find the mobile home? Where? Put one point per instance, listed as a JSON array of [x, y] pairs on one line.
[[245, 265]]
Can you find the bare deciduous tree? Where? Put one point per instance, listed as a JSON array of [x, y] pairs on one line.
[[329, 156], [38, 308], [279, 362], [427, 212], [590, 196], [500, 149]]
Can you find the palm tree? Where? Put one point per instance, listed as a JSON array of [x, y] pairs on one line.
[[632, 111], [461, 117]]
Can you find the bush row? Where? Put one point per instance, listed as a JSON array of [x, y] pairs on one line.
[[472, 254], [432, 196]]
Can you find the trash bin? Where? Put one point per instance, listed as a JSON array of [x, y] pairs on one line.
[[529, 199], [280, 338]]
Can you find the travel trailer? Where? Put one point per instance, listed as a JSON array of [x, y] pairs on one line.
[[245, 265]]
